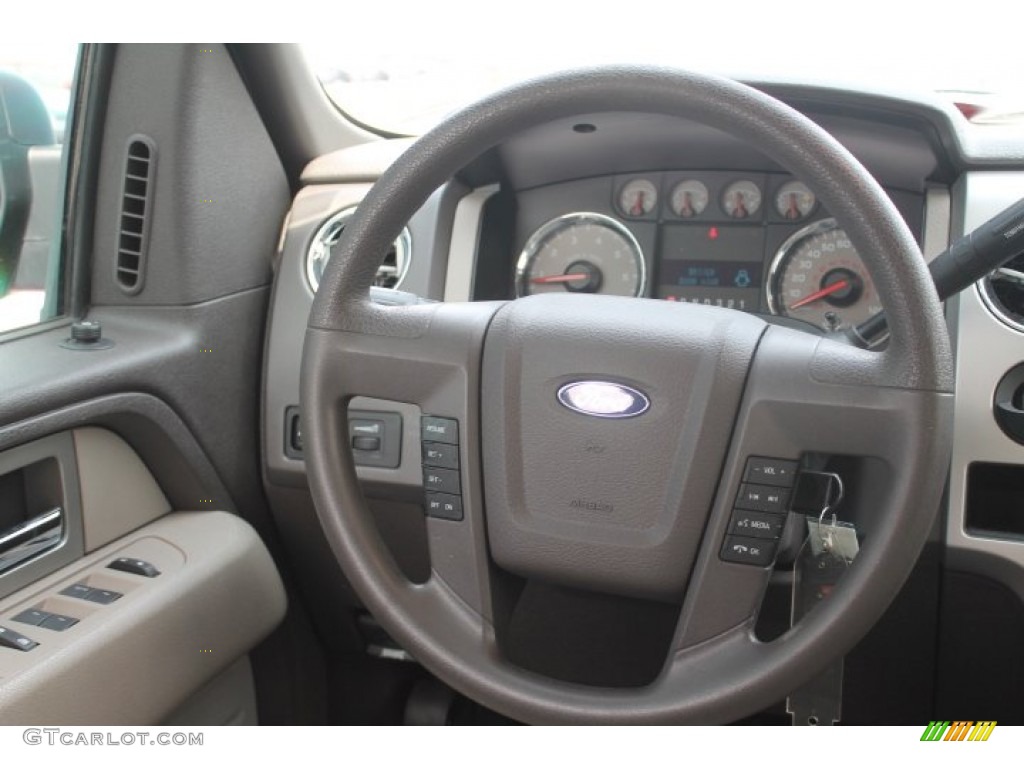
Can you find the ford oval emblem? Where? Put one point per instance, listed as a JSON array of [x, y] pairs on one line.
[[603, 399]]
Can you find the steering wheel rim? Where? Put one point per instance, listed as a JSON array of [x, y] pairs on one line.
[[426, 352]]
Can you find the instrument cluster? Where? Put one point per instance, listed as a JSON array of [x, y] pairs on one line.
[[758, 242]]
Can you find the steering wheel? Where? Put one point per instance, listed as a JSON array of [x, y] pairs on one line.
[[646, 515]]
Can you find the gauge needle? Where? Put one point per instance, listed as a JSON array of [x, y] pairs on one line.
[[826, 291], [560, 278]]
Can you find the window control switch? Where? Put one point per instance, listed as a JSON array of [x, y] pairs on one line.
[[32, 616], [131, 565], [77, 590], [58, 623], [103, 596]]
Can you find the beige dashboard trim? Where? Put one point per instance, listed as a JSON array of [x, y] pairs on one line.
[[361, 162], [132, 662], [118, 492]]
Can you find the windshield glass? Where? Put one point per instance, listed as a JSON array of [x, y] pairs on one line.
[[403, 71]]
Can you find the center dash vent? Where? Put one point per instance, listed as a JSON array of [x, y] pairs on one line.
[[1003, 292], [391, 271], [136, 201]]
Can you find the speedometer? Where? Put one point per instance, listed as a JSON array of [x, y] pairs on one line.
[[581, 253], [817, 276]]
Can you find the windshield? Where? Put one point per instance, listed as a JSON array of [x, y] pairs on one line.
[[403, 71]]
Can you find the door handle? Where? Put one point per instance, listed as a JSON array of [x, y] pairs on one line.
[[30, 538]]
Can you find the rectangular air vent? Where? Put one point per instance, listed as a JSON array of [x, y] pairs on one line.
[[136, 199]]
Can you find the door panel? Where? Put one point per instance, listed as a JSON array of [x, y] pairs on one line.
[[164, 419], [134, 660]]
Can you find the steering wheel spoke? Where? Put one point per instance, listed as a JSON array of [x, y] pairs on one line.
[[793, 414], [428, 356]]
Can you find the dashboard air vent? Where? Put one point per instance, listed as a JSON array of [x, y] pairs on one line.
[[136, 199], [392, 270], [1003, 292]]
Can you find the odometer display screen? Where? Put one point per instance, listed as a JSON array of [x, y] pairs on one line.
[[715, 265]]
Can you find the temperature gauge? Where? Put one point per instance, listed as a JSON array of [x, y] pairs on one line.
[[741, 199], [689, 198], [638, 197], [794, 201]]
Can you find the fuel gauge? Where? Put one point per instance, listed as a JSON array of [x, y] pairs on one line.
[[638, 197], [741, 199]]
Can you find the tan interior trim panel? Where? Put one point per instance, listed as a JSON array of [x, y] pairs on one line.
[[118, 492], [228, 699], [133, 659]]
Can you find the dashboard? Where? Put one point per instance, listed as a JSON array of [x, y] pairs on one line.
[[613, 203], [658, 208]]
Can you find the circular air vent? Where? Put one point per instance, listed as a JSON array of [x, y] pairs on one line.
[[1003, 292], [391, 271]]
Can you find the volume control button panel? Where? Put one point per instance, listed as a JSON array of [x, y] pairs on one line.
[[759, 511]]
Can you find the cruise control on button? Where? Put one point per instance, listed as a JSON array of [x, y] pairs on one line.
[[444, 505]]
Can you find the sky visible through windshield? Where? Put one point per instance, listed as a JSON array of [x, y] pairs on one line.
[[427, 62]]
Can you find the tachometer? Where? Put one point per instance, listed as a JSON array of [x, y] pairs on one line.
[[818, 276], [581, 253]]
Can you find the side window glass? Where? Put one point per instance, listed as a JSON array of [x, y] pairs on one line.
[[36, 83]]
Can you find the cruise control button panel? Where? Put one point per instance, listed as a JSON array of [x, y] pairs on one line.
[[439, 445], [759, 511]]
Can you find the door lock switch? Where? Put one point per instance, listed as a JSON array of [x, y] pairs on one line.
[[131, 565], [15, 640]]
